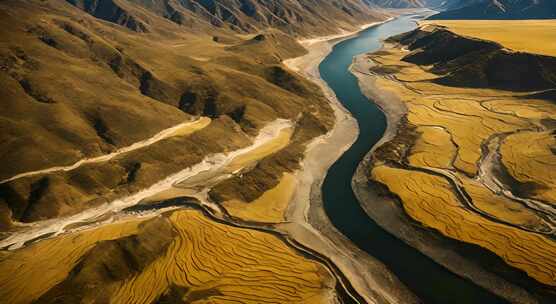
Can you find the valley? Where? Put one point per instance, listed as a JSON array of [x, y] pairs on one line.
[[177, 151]]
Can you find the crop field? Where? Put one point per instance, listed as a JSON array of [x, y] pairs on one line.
[[226, 264], [183, 255], [28, 273], [429, 199], [269, 207], [434, 148]]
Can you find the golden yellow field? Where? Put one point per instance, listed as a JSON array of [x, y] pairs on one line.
[[430, 200], [230, 263], [533, 36], [204, 262], [268, 208], [27, 273], [198, 125], [264, 150], [534, 162], [434, 148]]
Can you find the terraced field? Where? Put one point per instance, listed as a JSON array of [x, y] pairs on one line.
[[430, 200], [182, 255], [49, 262], [204, 260], [470, 161]]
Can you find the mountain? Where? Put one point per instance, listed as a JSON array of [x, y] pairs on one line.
[[297, 17], [432, 4], [499, 9], [396, 3], [85, 78]]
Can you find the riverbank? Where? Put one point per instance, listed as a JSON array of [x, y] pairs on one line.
[[387, 210], [307, 220]]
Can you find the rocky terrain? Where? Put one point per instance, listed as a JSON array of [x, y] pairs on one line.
[[454, 163]]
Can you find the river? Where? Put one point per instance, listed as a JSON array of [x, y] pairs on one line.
[[431, 282]]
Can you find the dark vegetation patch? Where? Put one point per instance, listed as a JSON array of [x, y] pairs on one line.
[[173, 295], [286, 80], [200, 100], [153, 87], [35, 92], [150, 206], [397, 150], [44, 36], [131, 169], [102, 130], [111, 11]]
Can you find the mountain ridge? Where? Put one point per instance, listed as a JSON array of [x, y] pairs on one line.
[[498, 9]]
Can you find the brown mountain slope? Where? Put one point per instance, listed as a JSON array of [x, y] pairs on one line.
[[109, 103], [80, 85], [297, 17]]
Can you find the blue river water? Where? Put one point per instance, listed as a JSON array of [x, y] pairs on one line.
[[431, 282]]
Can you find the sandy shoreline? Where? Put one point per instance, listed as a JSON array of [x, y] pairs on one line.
[[307, 221], [388, 213]]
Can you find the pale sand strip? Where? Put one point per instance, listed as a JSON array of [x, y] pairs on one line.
[[178, 130]]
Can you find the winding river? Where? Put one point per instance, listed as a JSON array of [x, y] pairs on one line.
[[431, 282]]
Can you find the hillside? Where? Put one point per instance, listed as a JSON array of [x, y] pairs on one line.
[[397, 3], [465, 62], [498, 9], [295, 17]]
